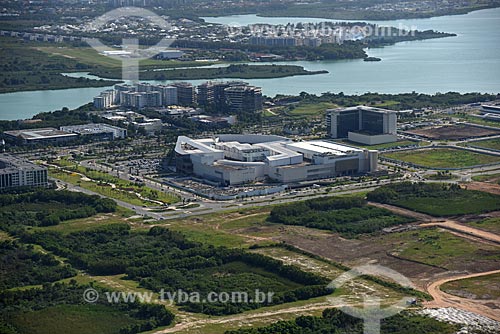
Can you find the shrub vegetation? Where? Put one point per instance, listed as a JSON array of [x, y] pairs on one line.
[[349, 216], [437, 199], [163, 259]]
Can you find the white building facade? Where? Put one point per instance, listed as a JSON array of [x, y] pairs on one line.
[[239, 159]]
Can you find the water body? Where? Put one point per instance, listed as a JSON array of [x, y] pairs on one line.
[[469, 62]]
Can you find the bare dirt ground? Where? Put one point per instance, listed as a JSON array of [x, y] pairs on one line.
[[355, 252], [428, 278], [489, 309], [488, 187], [454, 132]]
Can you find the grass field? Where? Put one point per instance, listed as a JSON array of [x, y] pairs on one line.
[[74, 319], [238, 229], [76, 180], [436, 199], [486, 177], [328, 270], [311, 109], [91, 57], [4, 236], [490, 143], [24, 67], [436, 247], [483, 287], [123, 190], [87, 56], [479, 121], [83, 224], [443, 158], [399, 143], [468, 203]]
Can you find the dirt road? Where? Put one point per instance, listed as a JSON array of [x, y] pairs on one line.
[[442, 299], [190, 326], [404, 212], [467, 230]]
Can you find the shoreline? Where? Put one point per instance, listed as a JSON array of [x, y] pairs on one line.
[[465, 11]]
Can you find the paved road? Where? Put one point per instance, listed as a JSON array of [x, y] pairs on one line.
[[211, 206]]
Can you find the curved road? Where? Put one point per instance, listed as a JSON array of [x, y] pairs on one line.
[[443, 299]]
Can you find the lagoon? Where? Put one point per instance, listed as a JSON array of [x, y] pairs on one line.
[[469, 62]]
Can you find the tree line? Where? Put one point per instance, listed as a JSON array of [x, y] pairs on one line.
[[47, 207]]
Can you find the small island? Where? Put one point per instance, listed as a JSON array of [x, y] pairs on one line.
[[234, 71], [372, 59]]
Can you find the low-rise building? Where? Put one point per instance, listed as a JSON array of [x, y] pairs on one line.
[[150, 126], [214, 120], [39, 136], [491, 108], [97, 131], [238, 159], [178, 111], [170, 54], [16, 172]]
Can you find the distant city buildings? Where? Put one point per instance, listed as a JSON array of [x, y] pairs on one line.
[[232, 96], [311, 35], [365, 125], [106, 99], [30, 36], [16, 172], [273, 41], [239, 159]]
